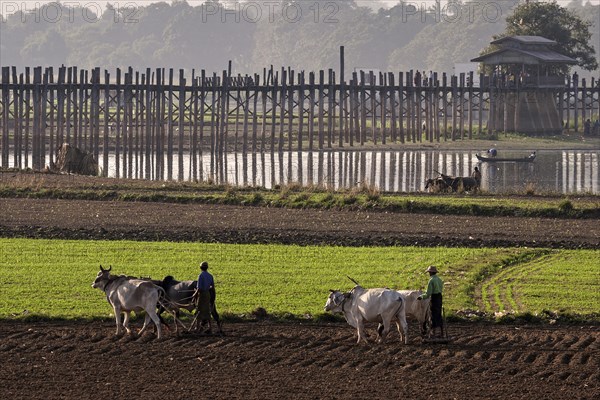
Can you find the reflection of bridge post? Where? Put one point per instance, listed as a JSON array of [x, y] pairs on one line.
[[244, 168], [348, 176], [309, 168], [262, 169], [299, 169], [320, 168], [356, 170], [392, 174], [281, 180], [341, 173], [401, 170], [254, 169], [373, 169], [289, 168], [237, 169], [330, 169], [363, 167], [273, 182], [382, 172]]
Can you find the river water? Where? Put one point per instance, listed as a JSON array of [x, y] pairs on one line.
[[406, 171], [553, 171]]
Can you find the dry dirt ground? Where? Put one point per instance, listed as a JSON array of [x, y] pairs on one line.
[[265, 360], [296, 361], [70, 219]]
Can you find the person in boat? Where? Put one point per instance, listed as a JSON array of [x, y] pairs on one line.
[[492, 152]]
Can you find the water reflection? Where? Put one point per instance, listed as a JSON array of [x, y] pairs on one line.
[[391, 171], [406, 171]]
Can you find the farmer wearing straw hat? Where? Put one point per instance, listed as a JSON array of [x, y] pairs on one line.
[[434, 290], [206, 282]]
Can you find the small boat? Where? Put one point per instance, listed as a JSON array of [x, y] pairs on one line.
[[529, 158]]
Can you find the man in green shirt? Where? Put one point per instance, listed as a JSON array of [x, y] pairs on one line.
[[434, 290]]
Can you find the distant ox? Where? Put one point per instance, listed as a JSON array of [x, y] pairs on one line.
[[126, 294], [436, 185], [370, 305], [445, 183], [464, 184]]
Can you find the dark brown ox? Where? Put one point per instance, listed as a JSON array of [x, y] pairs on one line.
[[179, 295], [459, 184], [126, 294], [436, 185], [464, 184]]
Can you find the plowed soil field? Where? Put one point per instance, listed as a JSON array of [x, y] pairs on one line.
[[266, 360], [296, 361]]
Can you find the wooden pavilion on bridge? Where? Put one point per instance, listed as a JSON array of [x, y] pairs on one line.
[[526, 75]]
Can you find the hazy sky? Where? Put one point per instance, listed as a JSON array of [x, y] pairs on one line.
[[10, 6]]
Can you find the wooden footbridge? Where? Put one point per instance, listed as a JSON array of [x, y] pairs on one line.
[[151, 121]]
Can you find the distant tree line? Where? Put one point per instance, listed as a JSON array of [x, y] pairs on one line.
[[305, 35]]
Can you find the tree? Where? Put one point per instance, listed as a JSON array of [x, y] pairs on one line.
[[45, 48], [554, 22]]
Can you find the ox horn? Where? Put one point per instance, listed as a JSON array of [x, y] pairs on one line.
[[101, 269], [356, 283], [109, 268]]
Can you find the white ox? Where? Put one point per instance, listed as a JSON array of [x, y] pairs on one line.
[[126, 294], [417, 309], [370, 305]]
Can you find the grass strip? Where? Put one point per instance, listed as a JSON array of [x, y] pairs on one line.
[[316, 198], [52, 278]]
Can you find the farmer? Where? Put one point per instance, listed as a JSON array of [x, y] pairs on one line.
[[587, 127], [434, 290], [204, 289], [476, 175]]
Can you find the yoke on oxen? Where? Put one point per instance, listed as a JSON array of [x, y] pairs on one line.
[[179, 296], [182, 295]]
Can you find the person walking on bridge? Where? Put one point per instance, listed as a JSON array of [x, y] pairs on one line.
[[477, 176]]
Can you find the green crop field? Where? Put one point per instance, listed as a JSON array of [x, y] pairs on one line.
[[52, 278], [566, 281]]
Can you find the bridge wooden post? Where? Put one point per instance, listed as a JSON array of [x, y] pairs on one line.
[[5, 115]]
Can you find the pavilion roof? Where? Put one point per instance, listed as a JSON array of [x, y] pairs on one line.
[[528, 50]]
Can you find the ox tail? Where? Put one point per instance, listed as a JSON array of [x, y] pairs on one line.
[[402, 308], [356, 283], [401, 316]]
